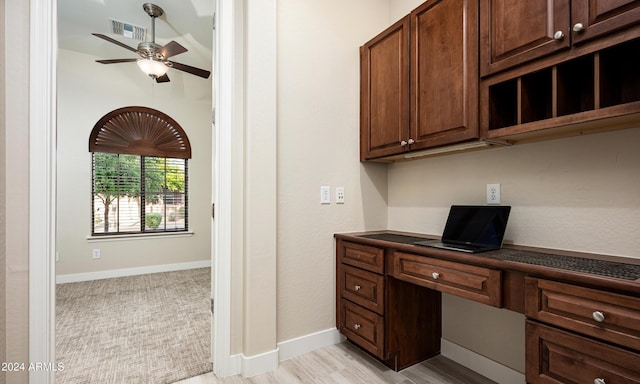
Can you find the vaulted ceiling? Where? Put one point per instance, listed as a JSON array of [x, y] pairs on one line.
[[188, 22]]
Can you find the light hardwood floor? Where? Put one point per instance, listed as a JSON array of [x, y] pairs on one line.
[[345, 364]]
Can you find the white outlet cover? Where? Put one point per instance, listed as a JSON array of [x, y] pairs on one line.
[[339, 195], [493, 193]]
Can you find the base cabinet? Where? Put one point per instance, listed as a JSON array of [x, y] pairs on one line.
[[589, 335], [559, 357], [397, 322]]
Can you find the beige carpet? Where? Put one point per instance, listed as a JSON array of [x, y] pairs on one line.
[[141, 329]]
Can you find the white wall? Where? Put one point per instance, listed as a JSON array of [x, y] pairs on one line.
[[86, 92], [400, 8], [579, 194], [14, 249], [3, 183], [318, 141]]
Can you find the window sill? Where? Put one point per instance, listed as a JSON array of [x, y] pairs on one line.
[[137, 236]]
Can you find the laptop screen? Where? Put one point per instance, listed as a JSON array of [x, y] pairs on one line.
[[476, 224]]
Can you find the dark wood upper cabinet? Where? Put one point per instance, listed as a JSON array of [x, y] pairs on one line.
[[594, 18], [419, 81], [384, 92], [516, 31], [444, 73], [558, 68]]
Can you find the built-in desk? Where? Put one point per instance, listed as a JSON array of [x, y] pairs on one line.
[[583, 310]]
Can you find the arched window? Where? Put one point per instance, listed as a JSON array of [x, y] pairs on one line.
[[139, 173]]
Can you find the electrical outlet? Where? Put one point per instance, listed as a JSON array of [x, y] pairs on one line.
[[339, 195], [57, 256], [325, 194], [96, 253], [493, 193]]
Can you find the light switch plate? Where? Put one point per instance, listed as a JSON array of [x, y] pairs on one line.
[[325, 194]]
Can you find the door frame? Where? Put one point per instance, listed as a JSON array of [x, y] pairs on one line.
[[42, 185]]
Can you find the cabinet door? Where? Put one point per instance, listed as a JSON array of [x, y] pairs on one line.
[[384, 93], [592, 18], [444, 73], [515, 31]]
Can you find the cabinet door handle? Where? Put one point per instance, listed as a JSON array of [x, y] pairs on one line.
[[599, 381], [403, 143], [598, 316], [577, 27], [357, 287], [356, 326], [435, 275], [559, 35], [411, 141]]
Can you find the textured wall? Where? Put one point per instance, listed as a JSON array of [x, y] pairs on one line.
[[3, 202], [15, 121], [318, 120]]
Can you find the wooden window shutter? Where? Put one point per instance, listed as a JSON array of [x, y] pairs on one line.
[[139, 131]]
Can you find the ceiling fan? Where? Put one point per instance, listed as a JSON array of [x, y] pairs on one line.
[[154, 58]]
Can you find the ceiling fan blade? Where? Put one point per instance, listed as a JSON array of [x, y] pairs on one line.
[[163, 79], [116, 42], [115, 61], [171, 49], [189, 69]]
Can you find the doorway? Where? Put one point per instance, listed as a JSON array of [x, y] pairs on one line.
[[43, 245]]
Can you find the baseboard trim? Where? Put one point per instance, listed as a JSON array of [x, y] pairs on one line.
[[484, 366], [311, 342], [258, 364], [88, 276], [249, 366]]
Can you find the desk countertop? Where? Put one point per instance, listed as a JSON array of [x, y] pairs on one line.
[[618, 273]]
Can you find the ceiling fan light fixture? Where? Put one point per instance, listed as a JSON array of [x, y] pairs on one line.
[[152, 68]]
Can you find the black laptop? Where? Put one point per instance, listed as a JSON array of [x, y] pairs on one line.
[[473, 228]]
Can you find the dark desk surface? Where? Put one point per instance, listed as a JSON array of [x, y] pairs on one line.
[[610, 272]]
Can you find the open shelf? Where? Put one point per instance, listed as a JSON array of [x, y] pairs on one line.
[[536, 96], [620, 74], [503, 104], [594, 86], [576, 86]]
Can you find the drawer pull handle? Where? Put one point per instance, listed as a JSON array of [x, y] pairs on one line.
[[356, 326], [559, 35], [577, 27], [435, 275], [403, 143], [357, 287], [599, 317], [599, 381]]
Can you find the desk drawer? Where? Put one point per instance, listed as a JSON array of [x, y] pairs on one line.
[[603, 315], [363, 327], [363, 256], [362, 287], [558, 357], [480, 284]]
